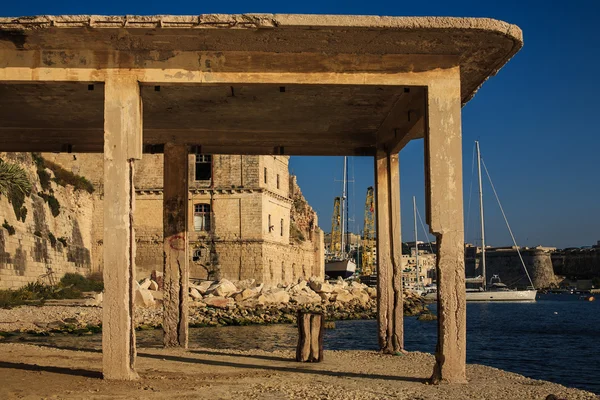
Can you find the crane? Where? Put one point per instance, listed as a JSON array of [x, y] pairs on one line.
[[336, 230], [368, 240]]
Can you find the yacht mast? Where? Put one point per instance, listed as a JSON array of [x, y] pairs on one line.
[[416, 243], [343, 207], [481, 216]]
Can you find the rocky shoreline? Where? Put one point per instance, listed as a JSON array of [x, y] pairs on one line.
[[213, 303]]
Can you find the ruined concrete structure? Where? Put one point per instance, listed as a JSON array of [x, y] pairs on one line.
[[241, 210], [35, 244], [254, 84]]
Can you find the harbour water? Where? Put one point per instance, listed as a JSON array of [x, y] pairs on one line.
[[556, 338]]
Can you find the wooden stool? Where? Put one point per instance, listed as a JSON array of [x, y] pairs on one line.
[[310, 337]]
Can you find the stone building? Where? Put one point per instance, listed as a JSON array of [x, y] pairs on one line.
[[241, 211], [426, 269]]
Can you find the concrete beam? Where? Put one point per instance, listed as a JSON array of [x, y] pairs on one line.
[[444, 199], [404, 122], [122, 145], [176, 257], [389, 257]]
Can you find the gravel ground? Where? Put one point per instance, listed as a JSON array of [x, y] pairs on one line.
[[28, 371]]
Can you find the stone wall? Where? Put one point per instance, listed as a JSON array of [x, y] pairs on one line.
[[242, 199], [507, 265], [34, 249], [577, 264]]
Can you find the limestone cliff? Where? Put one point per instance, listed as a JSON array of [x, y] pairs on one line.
[[303, 219], [48, 230]]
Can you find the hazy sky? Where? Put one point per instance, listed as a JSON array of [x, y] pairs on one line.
[[537, 120]]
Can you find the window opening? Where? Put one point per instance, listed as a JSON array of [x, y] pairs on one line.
[[203, 171], [202, 217]]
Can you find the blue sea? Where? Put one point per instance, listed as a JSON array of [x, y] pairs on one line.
[[556, 338]]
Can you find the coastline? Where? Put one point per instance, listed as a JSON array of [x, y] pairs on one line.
[[225, 374]]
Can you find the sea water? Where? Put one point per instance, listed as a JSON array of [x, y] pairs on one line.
[[556, 338]]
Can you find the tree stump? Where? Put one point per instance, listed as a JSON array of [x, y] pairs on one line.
[[310, 337]]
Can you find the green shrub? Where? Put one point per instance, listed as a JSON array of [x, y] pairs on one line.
[[296, 234], [8, 227], [61, 176], [52, 203], [81, 283], [23, 213], [71, 286]]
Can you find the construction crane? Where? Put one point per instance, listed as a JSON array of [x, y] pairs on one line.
[[336, 229], [368, 239]]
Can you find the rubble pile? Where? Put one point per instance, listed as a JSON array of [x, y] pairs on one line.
[[245, 302]]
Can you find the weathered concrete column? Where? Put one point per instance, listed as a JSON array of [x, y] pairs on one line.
[[122, 145], [176, 257], [390, 315], [443, 174]]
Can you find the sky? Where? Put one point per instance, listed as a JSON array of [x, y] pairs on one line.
[[536, 120]]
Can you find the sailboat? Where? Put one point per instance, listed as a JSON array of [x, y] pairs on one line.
[[418, 286], [340, 264], [495, 290]]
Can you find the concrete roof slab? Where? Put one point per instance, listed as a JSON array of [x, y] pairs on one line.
[[482, 46]]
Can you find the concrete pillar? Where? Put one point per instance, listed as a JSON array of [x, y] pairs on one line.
[[122, 145], [176, 257], [443, 173], [389, 253]]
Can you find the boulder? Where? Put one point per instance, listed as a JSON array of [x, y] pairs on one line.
[[219, 302], [357, 285], [245, 284], [321, 287], [195, 294], [325, 296], [222, 288], [143, 298], [157, 276], [202, 287], [278, 297], [360, 295], [298, 287], [153, 286], [157, 295], [306, 299], [145, 283], [244, 295], [343, 296], [372, 292]]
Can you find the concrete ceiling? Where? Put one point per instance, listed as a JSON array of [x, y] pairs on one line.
[[254, 119], [245, 118]]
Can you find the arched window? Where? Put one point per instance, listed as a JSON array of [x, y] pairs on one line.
[[202, 217]]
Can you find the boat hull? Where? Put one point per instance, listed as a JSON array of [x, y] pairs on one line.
[[340, 268], [501, 295]]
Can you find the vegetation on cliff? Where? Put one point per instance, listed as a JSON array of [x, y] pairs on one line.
[[15, 184], [62, 177]]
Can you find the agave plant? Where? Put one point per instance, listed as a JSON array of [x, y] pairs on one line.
[[13, 179]]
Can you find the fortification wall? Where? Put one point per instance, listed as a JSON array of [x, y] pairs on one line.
[[507, 265], [36, 246], [579, 264]]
